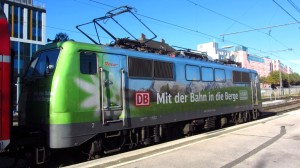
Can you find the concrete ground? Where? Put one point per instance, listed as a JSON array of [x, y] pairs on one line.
[[271, 142]]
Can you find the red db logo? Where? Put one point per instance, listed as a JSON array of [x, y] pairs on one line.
[[142, 99]]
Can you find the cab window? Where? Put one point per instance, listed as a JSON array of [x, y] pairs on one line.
[[88, 63], [43, 63]]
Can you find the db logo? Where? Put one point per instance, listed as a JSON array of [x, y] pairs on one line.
[[142, 99]]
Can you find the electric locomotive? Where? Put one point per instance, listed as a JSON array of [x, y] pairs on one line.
[[102, 98]]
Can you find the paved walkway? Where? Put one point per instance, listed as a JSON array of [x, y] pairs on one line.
[[273, 102]]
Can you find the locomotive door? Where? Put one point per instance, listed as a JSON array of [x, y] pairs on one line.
[[254, 86], [112, 89]]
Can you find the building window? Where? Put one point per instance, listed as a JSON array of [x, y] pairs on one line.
[[192, 73], [15, 26], [32, 26], [88, 63], [220, 75], [10, 19], [21, 23], [29, 25], [15, 19], [207, 74], [39, 26]]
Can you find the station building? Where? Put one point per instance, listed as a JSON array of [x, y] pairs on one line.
[[214, 52], [27, 22]]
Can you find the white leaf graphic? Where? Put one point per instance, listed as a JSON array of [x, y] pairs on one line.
[[93, 90]]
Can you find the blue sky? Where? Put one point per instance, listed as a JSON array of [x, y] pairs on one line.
[[187, 23]]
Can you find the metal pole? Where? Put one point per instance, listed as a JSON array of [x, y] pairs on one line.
[[280, 90], [289, 84], [271, 92]]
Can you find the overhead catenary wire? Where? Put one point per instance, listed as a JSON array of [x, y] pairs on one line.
[[294, 5], [286, 11], [195, 31], [254, 29], [205, 34], [262, 28], [251, 28]]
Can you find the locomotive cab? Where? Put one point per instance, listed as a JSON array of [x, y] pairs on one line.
[[37, 81]]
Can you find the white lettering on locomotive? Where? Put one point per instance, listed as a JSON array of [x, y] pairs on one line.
[[198, 97], [164, 98]]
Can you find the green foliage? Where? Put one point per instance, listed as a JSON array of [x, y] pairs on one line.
[[263, 80], [274, 78], [60, 37], [294, 78]]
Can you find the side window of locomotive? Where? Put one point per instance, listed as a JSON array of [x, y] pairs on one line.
[[146, 68], [88, 63], [207, 74], [140, 67], [240, 77], [236, 76], [163, 70], [220, 75], [192, 73], [245, 77], [44, 63]]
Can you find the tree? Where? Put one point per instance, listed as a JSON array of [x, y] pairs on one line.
[[60, 37], [287, 79], [294, 78], [263, 79], [273, 78]]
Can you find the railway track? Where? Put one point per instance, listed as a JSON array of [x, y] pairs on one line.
[[289, 105], [275, 109]]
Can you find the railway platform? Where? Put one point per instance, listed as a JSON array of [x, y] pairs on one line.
[[270, 142], [273, 102]]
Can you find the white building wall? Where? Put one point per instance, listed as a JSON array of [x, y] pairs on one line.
[[214, 51], [210, 48], [44, 41]]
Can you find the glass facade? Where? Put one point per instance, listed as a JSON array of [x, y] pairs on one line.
[[24, 54], [255, 59], [35, 25], [15, 19], [27, 33], [39, 26]]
